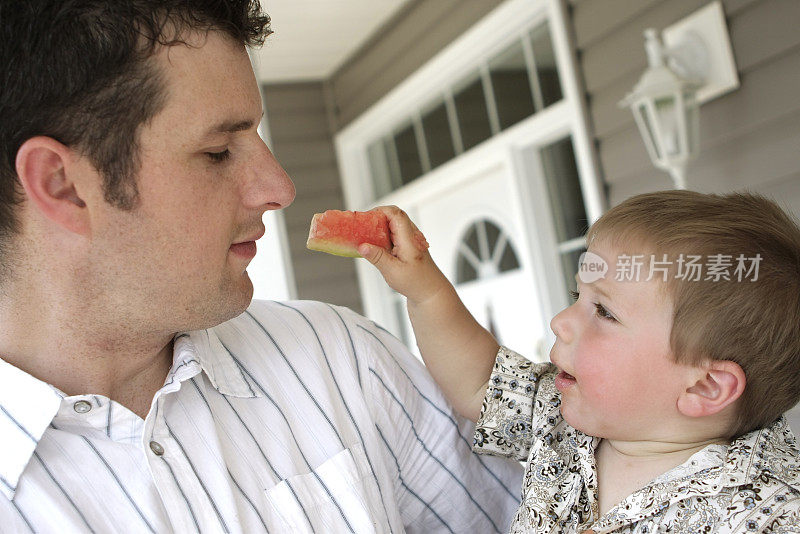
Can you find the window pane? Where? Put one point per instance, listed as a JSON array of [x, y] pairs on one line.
[[407, 154], [508, 261], [473, 118], [381, 168], [465, 272], [437, 135], [492, 235], [569, 266], [471, 240], [546, 68], [564, 188], [512, 88]]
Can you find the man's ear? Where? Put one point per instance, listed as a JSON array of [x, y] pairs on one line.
[[45, 169], [718, 384]]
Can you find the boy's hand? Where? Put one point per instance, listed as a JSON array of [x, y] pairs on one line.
[[458, 352], [408, 268]]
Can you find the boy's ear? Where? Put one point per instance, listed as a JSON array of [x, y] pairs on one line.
[[44, 169], [720, 384]]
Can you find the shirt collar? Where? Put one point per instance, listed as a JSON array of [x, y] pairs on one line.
[[768, 452], [221, 367], [27, 406], [771, 451]]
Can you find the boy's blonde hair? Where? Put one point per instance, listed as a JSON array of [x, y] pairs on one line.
[[755, 323]]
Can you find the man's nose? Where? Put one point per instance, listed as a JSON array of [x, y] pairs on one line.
[[269, 188]]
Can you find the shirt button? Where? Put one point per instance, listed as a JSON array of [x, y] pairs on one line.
[[156, 447], [82, 406]]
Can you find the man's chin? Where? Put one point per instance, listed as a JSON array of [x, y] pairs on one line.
[[240, 301], [229, 304]]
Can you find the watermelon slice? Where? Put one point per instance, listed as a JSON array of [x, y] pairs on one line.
[[340, 232]]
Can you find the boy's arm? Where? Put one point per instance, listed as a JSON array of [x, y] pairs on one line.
[[458, 352]]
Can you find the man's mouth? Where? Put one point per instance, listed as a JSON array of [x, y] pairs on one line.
[[246, 249]]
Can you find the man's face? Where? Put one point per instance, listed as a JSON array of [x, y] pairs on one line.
[[178, 259], [618, 380]]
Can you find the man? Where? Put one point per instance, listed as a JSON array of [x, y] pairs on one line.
[[140, 390]]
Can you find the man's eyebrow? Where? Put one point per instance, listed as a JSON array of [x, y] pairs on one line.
[[232, 126]]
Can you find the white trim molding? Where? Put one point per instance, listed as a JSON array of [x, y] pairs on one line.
[[515, 148]]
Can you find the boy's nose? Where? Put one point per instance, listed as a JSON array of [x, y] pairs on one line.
[[560, 326]]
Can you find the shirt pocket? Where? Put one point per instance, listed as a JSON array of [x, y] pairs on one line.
[[340, 495]]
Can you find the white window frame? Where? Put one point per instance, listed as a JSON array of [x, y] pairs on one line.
[[271, 271], [509, 21]]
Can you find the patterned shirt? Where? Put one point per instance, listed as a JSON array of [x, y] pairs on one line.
[[752, 485], [296, 417]]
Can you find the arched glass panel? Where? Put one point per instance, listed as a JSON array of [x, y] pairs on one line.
[[485, 251]]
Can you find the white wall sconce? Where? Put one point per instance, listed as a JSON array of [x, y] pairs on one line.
[[693, 65]]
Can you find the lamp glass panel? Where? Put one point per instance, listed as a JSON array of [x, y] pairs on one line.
[[649, 130], [692, 122], [438, 137], [512, 88], [669, 130]]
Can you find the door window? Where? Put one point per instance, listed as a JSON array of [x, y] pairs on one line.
[[485, 251], [566, 201]]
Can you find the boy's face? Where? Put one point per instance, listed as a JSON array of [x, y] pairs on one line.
[[618, 379]]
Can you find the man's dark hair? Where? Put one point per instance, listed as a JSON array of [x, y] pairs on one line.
[[79, 71]]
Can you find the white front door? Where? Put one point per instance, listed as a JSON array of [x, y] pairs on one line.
[[476, 236]]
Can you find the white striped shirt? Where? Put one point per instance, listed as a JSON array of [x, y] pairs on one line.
[[295, 417]]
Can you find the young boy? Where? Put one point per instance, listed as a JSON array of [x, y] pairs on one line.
[[661, 409]]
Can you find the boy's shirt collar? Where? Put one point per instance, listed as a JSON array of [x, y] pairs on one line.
[[771, 451], [749, 460]]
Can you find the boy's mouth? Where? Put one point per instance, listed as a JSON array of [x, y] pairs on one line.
[[564, 380]]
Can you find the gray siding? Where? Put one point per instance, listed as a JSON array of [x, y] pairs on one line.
[[749, 137], [302, 142], [403, 45]]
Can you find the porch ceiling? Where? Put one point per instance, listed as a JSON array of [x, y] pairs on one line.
[[314, 37]]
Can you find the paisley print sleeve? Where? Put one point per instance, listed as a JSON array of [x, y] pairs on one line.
[[505, 426]]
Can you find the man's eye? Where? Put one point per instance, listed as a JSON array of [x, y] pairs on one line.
[[219, 157], [574, 294], [602, 312]]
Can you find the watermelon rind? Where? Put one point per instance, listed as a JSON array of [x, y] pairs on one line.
[[338, 249]]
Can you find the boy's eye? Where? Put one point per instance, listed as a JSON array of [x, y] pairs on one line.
[[599, 309], [602, 312], [219, 157]]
